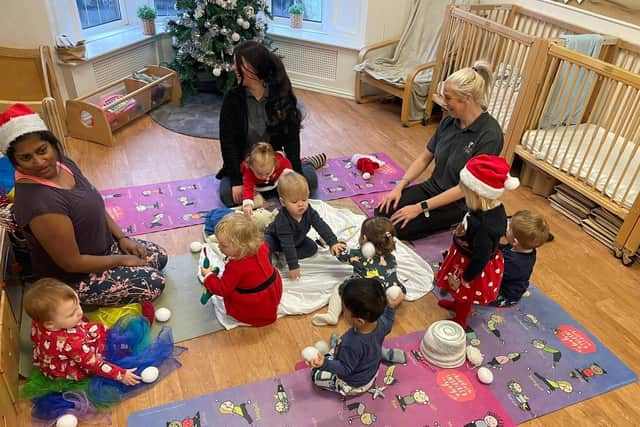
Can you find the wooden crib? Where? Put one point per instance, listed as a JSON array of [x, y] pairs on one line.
[[509, 37], [582, 127]]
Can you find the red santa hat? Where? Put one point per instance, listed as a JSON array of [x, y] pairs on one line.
[[16, 121], [488, 176], [366, 163]]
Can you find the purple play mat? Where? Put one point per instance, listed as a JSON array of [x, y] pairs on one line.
[[156, 207], [339, 178]]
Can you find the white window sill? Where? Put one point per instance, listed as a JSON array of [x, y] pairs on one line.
[[313, 36], [115, 40]]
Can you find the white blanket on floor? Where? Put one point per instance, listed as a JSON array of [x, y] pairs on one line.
[[322, 272]]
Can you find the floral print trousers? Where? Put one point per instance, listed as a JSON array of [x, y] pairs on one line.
[[125, 285]]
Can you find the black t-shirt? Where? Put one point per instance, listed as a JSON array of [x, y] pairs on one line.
[[453, 147]]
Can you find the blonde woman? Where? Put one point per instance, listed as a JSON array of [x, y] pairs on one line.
[[468, 130], [250, 286]]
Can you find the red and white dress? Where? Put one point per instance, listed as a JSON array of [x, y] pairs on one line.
[[73, 353], [251, 183], [473, 268]]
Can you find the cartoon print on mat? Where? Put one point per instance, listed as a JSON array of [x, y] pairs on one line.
[[418, 396], [186, 422], [389, 379], [148, 193], [532, 320], [111, 196], [588, 373], [129, 229], [365, 185], [184, 201], [542, 345], [188, 187], [489, 420], [337, 189], [492, 324], [155, 222], [194, 215], [366, 418], [376, 391], [472, 336], [229, 408], [332, 177], [142, 208], [521, 399], [554, 385], [282, 401], [498, 361]]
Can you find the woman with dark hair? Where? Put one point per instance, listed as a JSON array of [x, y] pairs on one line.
[[261, 108], [70, 234]]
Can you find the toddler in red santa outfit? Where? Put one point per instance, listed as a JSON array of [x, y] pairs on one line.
[[473, 268], [250, 286], [65, 344], [260, 173]]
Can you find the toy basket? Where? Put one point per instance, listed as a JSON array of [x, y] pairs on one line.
[[97, 115]]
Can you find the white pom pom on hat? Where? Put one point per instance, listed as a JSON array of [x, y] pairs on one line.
[[488, 176]]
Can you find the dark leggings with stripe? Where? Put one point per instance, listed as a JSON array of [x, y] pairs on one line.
[[124, 285]]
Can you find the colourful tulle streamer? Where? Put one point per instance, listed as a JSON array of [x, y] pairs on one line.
[[129, 345]]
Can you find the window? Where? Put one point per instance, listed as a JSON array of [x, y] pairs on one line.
[[312, 9], [166, 7], [98, 12]]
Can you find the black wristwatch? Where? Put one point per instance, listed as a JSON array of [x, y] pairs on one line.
[[425, 208]]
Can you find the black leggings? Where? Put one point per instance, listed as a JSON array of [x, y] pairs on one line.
[[421, 226]]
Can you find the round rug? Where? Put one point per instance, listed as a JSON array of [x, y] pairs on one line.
[[198, 116]]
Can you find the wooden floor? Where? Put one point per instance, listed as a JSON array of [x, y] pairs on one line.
[[574, 270]]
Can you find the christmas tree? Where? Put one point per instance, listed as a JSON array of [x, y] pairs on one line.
[[205, 34]]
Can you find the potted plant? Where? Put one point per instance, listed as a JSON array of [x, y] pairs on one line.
[[148, 16], [296, 10]]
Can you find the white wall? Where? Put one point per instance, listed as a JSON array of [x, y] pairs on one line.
[[25, 23], [601, 24]]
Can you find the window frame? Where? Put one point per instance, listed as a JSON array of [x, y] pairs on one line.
[[98, 30], [306, 25]]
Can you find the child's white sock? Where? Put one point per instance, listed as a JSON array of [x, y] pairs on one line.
[[333, 312]]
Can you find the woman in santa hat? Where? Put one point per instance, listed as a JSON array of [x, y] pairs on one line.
[[473, 268], [70, 234], [467, 131]]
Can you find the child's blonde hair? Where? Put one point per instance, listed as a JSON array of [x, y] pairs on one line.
[[241, 232], [475, 81], [530, 228], [293, 186], [379, 230], [261, 153], [44, 296], [475, 201]]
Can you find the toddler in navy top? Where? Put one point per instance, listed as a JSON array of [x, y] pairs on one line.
[[354, 366], [526, 231]]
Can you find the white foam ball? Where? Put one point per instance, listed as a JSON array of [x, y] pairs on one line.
[[366, 175], [246, 25], [368, 250], [394, 291], [195, 247], [239, 21], [163, 314], [310, 353], [474, 356], [322, 347], [67, 420], [485, 375], [149, 374]]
